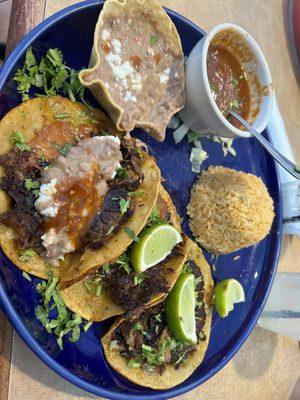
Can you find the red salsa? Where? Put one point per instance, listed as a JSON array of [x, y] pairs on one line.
[[228, 83]]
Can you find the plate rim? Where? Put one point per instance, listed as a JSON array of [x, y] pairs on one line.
[[13, 315]]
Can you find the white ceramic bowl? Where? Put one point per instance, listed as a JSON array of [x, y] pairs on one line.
[[201, 113]]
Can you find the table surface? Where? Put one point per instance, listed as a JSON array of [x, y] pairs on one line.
[[268, 365]]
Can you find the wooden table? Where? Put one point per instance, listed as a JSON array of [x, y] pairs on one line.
[[268, 365]]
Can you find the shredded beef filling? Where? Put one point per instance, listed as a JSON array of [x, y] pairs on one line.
[[28, 224], [149, 327], [123, 291]]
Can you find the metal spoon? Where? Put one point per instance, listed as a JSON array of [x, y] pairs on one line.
[[288, 165]]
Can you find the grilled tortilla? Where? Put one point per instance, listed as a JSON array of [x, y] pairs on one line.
[[43, 129], [118, 290], [171, 362], [136, 67]]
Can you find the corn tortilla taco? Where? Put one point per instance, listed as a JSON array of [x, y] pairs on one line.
[[67, 179], [115, 288], [141, 347]]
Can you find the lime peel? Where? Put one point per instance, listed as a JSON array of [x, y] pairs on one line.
[[180, 309]]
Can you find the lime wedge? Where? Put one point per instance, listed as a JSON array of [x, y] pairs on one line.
[[180, 309], [226, 294], [154, 245]]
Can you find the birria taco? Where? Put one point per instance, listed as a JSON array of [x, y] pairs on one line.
[[141, 347], [67, 184], [136, 67], [115, 287]]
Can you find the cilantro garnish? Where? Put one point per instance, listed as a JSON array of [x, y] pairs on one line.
[[138, 327], [153, 40], [192, 136], [213, 88], [234, 105], [137, 193], [26, 276], [122, 173], [19, 141], [64, 150], [235, 82], [64, 322], [297, 168], [133, 364], [124, 262], [124, 205], [26, 255], [51, 75], [154, 218], [131, 234], [138, 279], [87, 326], [31, 184]]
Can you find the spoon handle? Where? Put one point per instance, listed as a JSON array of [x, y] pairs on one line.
[[283, 161]]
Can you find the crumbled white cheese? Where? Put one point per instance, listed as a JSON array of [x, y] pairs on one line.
[[116, 45], [123, 70], [105, 34], [57, 244], [113, 59], [150, 51], [44, 203], [129, 96], [124, 83], [176, 75], [164, 77], [136, 82]]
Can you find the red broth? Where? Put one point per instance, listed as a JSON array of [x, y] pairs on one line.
[[228, 83]]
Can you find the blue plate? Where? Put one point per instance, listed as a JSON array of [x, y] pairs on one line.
[[83, 363]]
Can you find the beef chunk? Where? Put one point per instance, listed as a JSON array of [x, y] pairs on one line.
[[23, 218], [123, 291], [132, 163], [108, 220]]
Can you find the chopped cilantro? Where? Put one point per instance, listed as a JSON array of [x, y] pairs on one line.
[[93, 285], [138, 279], [110, 231], [138, 327], [154, 218], [213, 88], [77, 138], [297, 168], [133, 364], [146, 349], [26, 276], [131, 234], [19, 141], [122, 173], [87, 326], [124, 205], [26, 255], [158, 317], [235, 82], [137, 193], [50, 74], [124, 262], [234, 105], [63, 150], [106, 268], [192, 136], [241, 77], [64, 322], [153, 40], [31, 184]]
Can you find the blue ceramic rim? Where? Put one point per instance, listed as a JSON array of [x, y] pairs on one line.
[[14, 316]]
